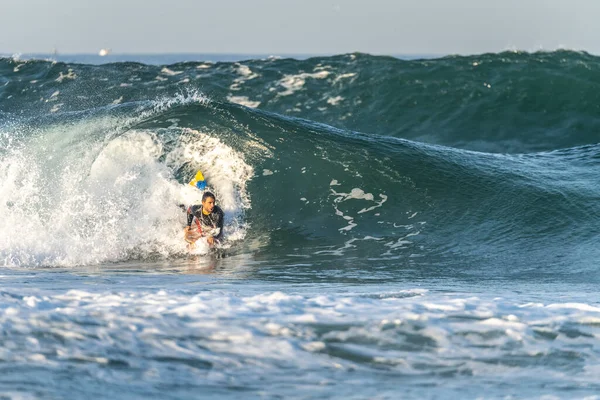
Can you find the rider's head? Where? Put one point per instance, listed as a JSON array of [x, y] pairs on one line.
[[208, 202]]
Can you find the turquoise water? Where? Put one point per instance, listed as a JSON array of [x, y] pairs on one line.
[[395, 228]]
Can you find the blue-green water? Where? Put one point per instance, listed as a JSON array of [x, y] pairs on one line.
[[395, 228]]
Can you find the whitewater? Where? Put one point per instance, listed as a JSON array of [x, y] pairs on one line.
[[415, 229]]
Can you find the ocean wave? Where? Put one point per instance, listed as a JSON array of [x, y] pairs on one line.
[[513, 102], [182, 334], [94, 173]]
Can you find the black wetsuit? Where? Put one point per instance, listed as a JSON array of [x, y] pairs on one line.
[[211, 221]]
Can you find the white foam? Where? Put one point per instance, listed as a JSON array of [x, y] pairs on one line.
[[344, 76], [379, 204], [340, 251], [576, 306], [321, 67], [56, 107], [225, 171], [401, 243], [244, 101], [245, 71], [334, 101], [93, 201], [190, 96], [70, 75], [169, 72], [246, 75], [357, 194], [241, 333], [314, 346], [502, 323], [293, 83]]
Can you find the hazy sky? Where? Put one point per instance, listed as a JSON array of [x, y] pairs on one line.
[[298, 27]]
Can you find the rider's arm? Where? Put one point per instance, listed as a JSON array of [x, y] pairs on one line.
[[220, 224], [190, 215]]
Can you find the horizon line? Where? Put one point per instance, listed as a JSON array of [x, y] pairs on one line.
[[156, 53]]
